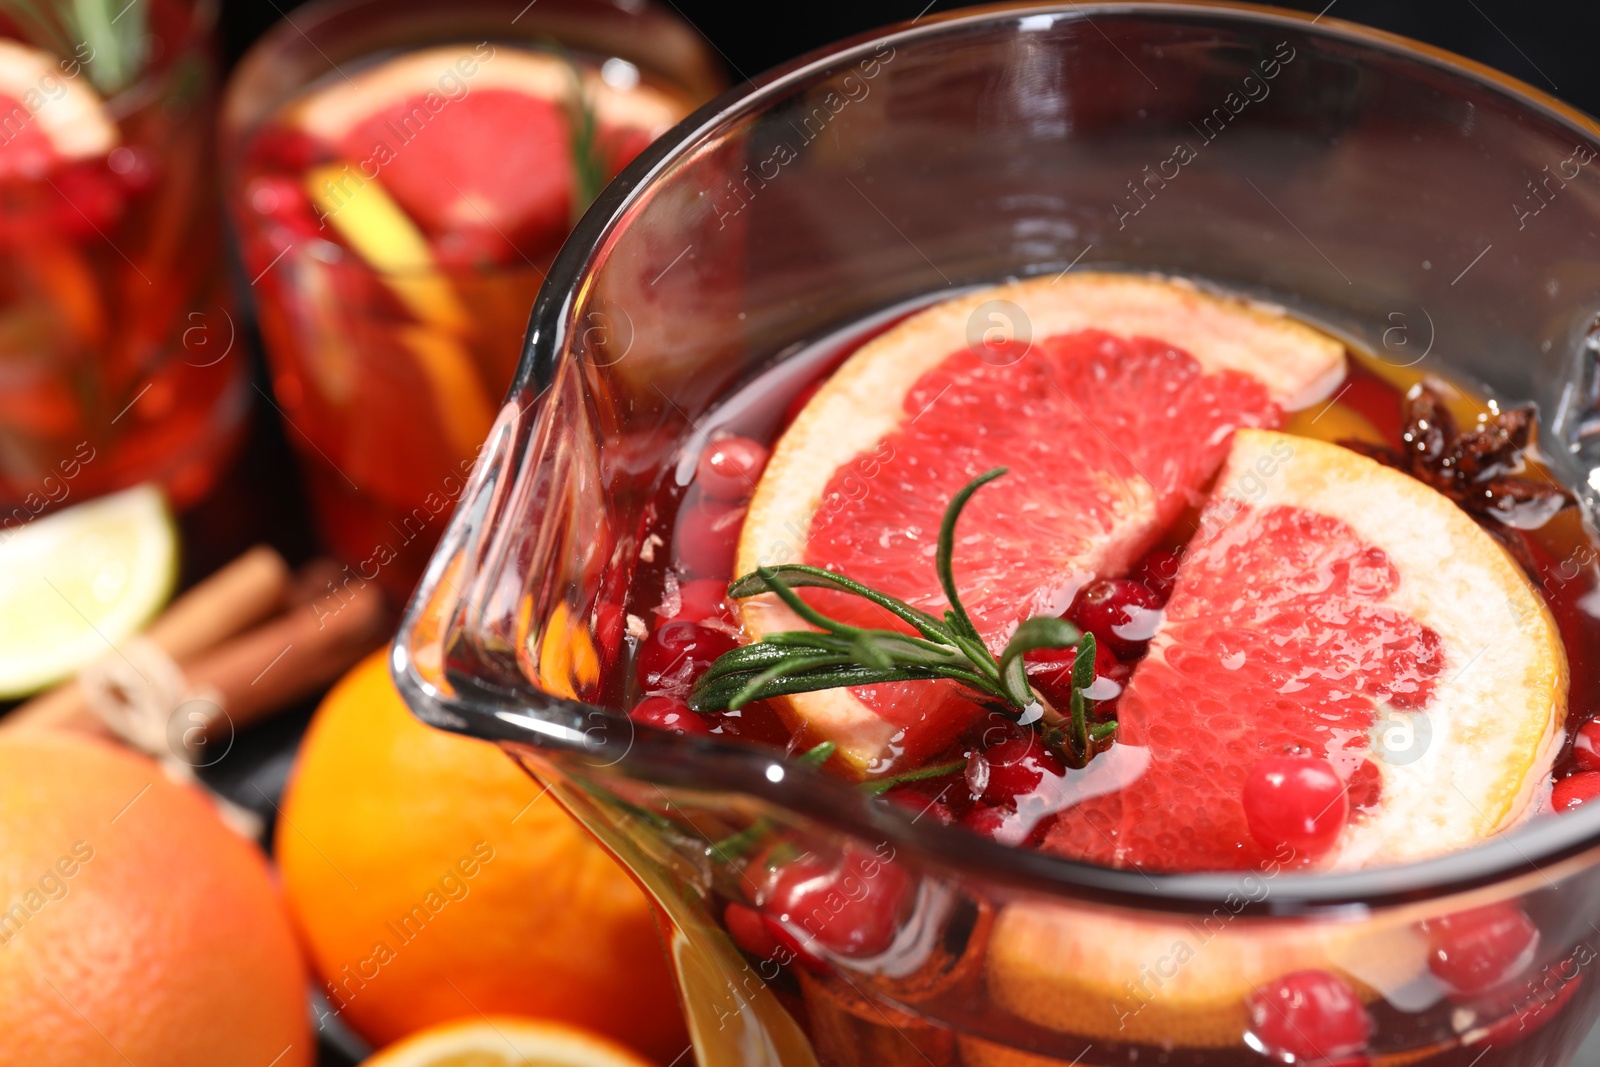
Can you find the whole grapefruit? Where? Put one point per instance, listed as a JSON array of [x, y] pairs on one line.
[[433, 882], [135, 927]]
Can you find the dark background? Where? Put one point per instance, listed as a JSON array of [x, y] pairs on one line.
[[1548, 43]]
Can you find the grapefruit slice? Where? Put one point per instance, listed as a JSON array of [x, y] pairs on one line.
[[48, 117], [1112, 418], [1336, 606], [489, 149], [1187, 983]]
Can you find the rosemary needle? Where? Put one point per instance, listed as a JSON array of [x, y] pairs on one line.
[[836, 654]]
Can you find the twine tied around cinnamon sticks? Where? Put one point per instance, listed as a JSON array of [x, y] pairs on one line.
[[244, 643]]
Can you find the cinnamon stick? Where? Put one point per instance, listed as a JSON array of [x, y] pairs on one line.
[[290, 657], [244, 592]]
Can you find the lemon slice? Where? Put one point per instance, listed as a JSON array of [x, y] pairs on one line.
[[76, 583], [505, 1042], [366, 216]]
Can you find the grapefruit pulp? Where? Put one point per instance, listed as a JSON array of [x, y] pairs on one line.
[[1112, 419], [1333, 606], [478, 138]]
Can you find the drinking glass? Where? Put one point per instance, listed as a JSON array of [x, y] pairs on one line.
[[1416, 204], [389, 349], [118, 361]]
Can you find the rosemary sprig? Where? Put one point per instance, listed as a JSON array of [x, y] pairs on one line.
[[107, 36], [837, 654], [879, 786], [739, 842], [588, 163]]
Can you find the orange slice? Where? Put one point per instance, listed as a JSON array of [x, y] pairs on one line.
[[1112, 398], [1333, 605], [502, 1041], [364, 214]]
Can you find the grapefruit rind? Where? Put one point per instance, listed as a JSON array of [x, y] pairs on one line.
[[1498, 706], [863, 402], [1495, 713], [71, 114], [333, 112]]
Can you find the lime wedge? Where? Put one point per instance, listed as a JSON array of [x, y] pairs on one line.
[[77, 582]]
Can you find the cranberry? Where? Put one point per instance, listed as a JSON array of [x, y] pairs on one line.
[[283, 201], [1586, 746], [1050, 671], [677, 653], [287, 147], [1309, 1015], [757, 722], [1001, 774], [1298, 801], [134, 167], [1576, 790], [849, 904], [729, 468], [749, 931], [90, 200], [1158, 572], [1119, 613], [985, 819], [610, 623], [704, 598], [994, 728], [936, 805], [1474, 951], [668, 713], [707, 535]]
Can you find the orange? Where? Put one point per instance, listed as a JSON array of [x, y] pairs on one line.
[[434, 882], [136, 928], [504, 1042], [1110, 398]]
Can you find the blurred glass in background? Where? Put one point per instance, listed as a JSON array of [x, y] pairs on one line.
[[401, 175], [118, 361]]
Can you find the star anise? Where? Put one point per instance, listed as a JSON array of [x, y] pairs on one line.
[[1481, 468]]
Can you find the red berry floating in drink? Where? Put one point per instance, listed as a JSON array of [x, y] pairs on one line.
[[1309, 1017], [1151, 621]]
